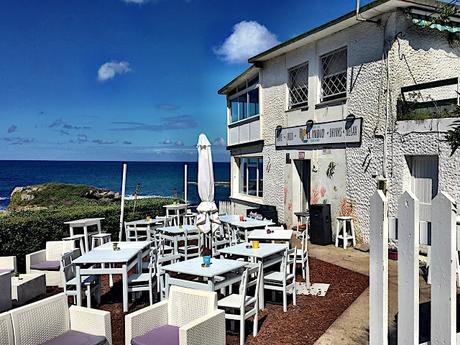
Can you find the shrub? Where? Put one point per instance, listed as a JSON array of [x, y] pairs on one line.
[[25, 232]]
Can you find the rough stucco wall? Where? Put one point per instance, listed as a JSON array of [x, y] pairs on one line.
[[419, 55]]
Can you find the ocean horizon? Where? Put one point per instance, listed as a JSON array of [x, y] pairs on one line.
[[156, 179]]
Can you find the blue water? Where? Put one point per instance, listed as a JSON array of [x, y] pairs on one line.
[[155, 178]]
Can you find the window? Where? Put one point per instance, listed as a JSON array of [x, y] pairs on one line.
[[298, 86], [334, 75], [251, 176], [245, 102]]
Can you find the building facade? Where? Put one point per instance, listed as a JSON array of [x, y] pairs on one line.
[[360, 103]]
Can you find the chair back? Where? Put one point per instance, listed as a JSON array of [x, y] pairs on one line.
[[288, 262], [153, 257], [55, 249], [6, 329], [302, 236], [38, 322], [186, 305], [136, 232]]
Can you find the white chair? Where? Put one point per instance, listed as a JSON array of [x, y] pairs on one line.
[[48, 261], [188, 315], [301, 256], [164, 260], [100, 239], [136, 232], [8, 264], [342, 231], [220, 239], [5, 294], [90, 284], [189, 250], [140, 282], [51, 319], [246, 305], [284, 280]]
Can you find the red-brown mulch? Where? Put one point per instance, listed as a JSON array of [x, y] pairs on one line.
[[301, 325]]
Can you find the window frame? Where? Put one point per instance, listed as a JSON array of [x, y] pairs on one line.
[[339, 95], [297, 105], [243, 176], [245, 92]]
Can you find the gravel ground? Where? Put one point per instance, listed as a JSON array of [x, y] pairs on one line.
[[301, 325]]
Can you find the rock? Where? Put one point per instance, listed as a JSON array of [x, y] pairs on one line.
[[363, 247]]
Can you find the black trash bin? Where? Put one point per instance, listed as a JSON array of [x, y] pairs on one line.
[[320, 224]]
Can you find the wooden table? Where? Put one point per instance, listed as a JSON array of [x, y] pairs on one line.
[[246, 225], [174, 210], [211, 276], [268, 254], [130, 255], [275, 235], [176, 233]]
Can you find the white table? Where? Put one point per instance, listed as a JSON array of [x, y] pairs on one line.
[[275, 235], [268, 254], [130, 255], [245, 225], [176, 233], [211, 276], [26, 287], [174, 210], [84, 223], [148, 224]]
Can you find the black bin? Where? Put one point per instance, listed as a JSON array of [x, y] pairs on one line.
[[320, 224]]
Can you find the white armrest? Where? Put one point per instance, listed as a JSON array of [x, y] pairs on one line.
[[206, 330], [35, 258], [8, 262], [91, 321], [145, 319]]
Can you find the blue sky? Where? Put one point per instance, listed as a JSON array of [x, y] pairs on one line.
[[131, 79]]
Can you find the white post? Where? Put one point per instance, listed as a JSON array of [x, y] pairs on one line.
[[408, 267], [123, 190], [443, 266], [378, 305], [185, 184]]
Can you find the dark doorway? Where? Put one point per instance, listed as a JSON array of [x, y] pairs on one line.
[[303, 169]]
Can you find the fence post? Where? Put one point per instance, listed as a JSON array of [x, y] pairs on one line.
[[408, 267], [443, 264], [378, 304]]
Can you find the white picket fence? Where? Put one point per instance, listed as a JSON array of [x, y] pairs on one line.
[[443, 264]]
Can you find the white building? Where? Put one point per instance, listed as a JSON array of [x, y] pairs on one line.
[[323, 117]]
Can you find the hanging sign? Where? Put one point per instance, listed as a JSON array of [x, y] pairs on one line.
[[346, 131]]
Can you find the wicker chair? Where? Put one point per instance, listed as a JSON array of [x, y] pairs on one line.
[[188, 317], [48, 261], [51, 321], [8, 264]]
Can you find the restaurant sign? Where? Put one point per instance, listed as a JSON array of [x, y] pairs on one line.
[[347, 131]]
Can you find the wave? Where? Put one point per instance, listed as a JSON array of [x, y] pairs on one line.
[[216, 183], [131, 197], [4, 198]]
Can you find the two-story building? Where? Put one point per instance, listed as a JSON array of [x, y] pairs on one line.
[[362, 101]]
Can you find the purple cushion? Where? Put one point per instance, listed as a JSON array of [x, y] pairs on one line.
[[5, 270], [46, 266], [164, 335], [76, 338]]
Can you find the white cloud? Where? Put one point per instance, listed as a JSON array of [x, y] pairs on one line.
[[219, 142], [110, 69], [247, 39]]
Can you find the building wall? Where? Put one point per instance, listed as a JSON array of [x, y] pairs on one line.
[[415, 56]]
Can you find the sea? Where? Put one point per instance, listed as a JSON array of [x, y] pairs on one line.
[[150, 178]]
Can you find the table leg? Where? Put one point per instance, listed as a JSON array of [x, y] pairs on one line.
[[139, 262], [78, 285], [99, 229], [261, 288], [166, 285], [125, 287], [71, 231]]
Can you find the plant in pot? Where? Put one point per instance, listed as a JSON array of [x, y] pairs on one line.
[[392, 251], [207, 254]]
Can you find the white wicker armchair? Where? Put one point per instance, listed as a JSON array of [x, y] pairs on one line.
[[51, 321], [8, 264], [48, 261], [5, 292], [189, 316]]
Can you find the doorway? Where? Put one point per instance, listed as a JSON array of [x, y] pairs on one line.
[[301, 185]]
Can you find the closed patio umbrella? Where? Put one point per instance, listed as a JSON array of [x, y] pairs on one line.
[[207, 219]]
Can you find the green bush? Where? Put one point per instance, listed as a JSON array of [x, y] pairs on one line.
[[25, 232]]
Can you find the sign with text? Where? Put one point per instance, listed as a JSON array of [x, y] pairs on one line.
[[346, 131]]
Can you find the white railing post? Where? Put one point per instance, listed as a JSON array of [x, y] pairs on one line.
[[378, 305], [443, 264], [408, 267]]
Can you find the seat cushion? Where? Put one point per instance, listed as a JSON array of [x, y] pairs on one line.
[[46, 266], [76, 338], [164, 335], [5, 270]]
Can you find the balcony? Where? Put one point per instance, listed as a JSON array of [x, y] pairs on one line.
[[244, 131]]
